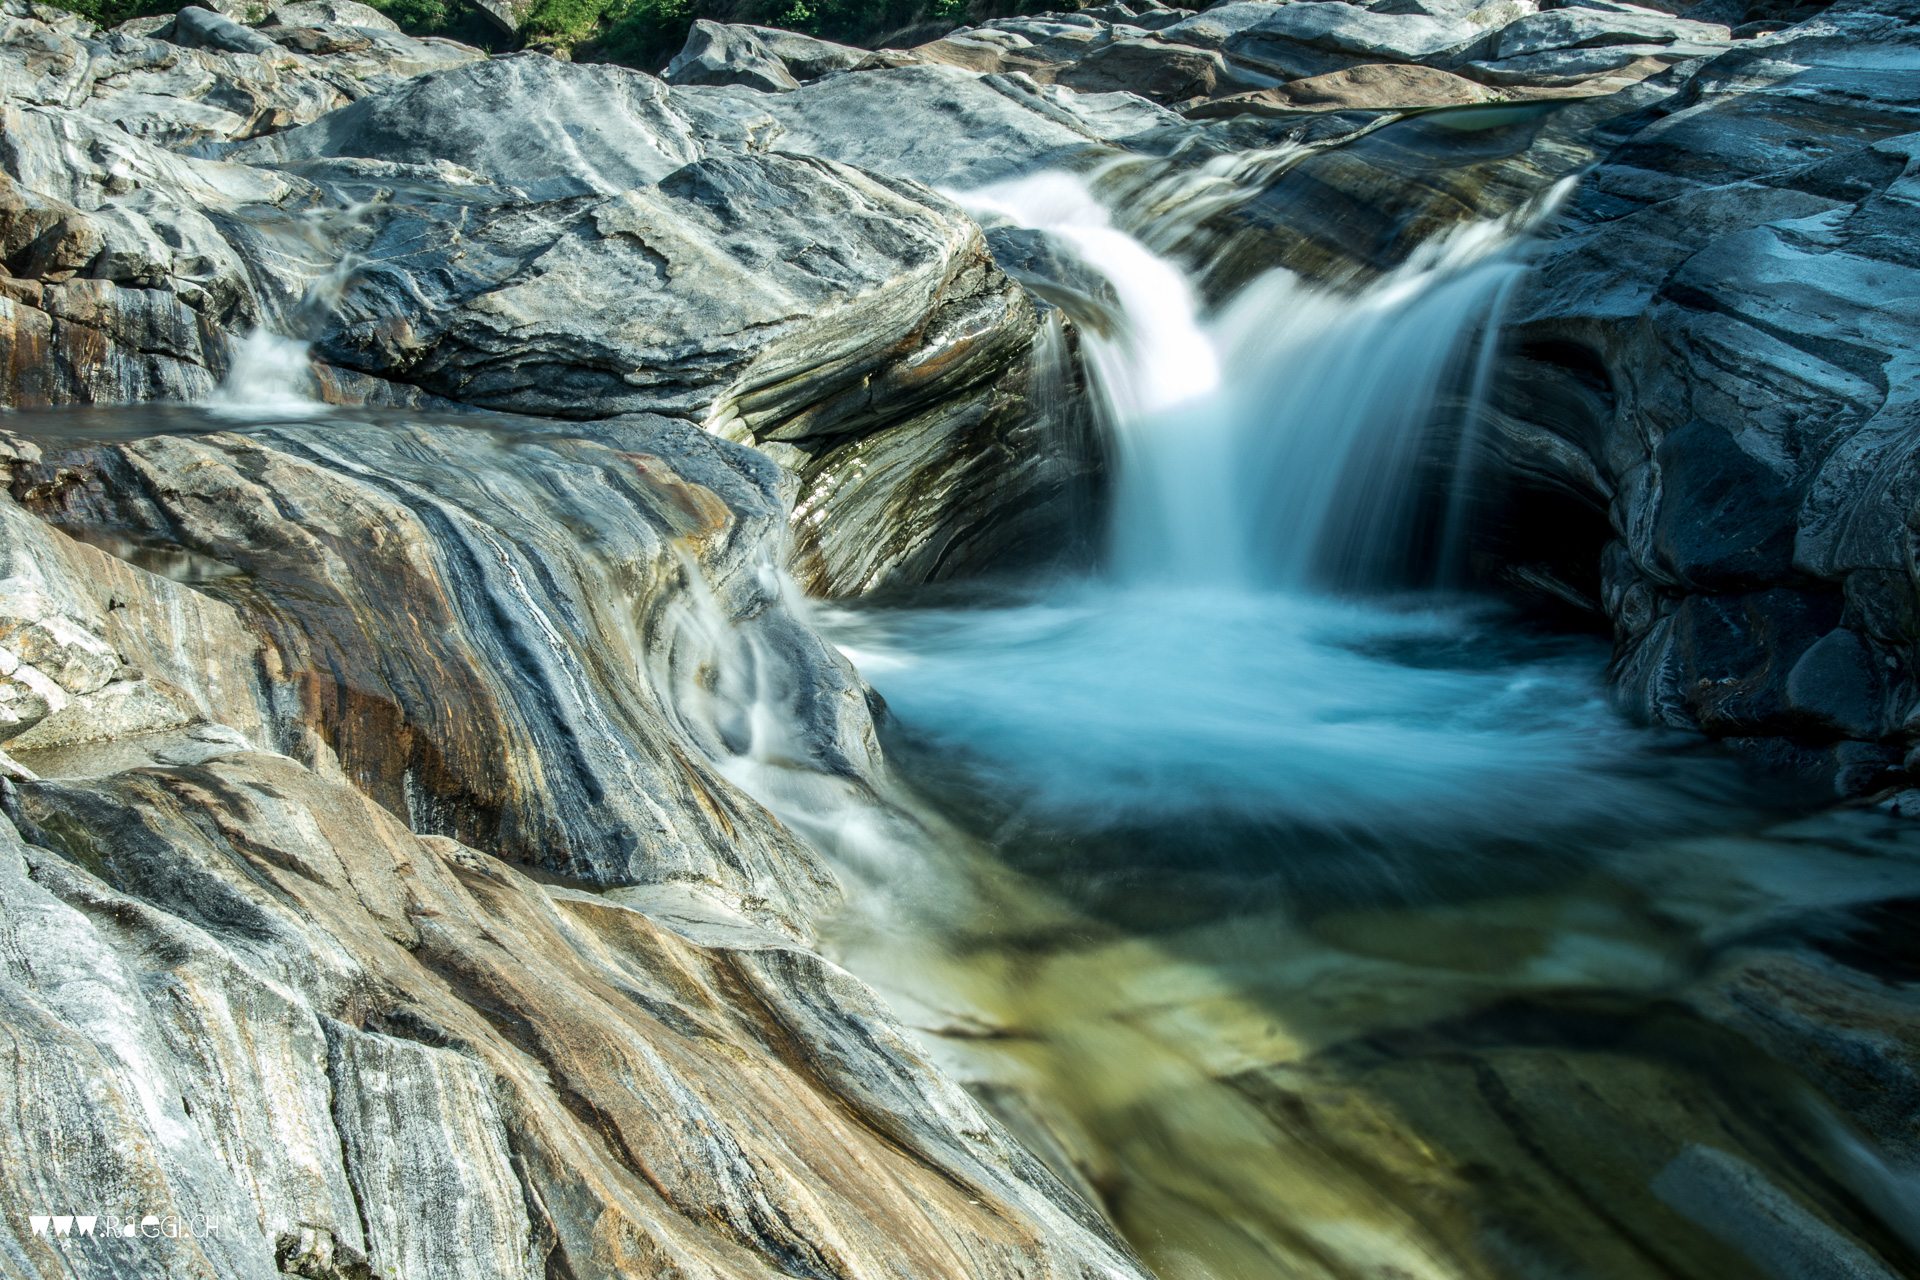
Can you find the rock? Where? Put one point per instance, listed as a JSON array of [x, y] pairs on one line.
[[1838, 687], [1740, 303], [958, 330], [198, 28], [330, 13], [1164, 73], [939, 125], [407, 730], [402, 1028], [330, 1041], [1300, 40], [599, 129], [203, 78], [455, 1172], [765, 58], [809, 57], [1600, 70], [505, 14], [1374, 87], [1584, 27], [718, 54], [1736, 1202], [128, 278]]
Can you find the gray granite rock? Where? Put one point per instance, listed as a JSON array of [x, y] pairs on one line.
[[250, 1000], [202, 78], [1743, 304], [719, 54]]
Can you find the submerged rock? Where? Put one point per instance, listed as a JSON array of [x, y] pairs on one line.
[[407, 781]]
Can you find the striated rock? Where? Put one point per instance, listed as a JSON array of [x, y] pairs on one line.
[[127, 268], [1374, 87], [1242, 56], [719, 54], [456, 1174], [1585, 28], [137, 275], [1738, 310], [940, 125], [408, 1039], [1297, 40], [597, 129], [1162, 72], [412, 782], [809, 57], [472, 727], [203, 78], [566, 639]]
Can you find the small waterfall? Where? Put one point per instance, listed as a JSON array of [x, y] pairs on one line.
[[1284, 440], [271, 373], [1336, 409]]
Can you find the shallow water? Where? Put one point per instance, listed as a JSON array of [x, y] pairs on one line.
[[1312, 933], [1093, 705], [1316, 922], [1327, 938]]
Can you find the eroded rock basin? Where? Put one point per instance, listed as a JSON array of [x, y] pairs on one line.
[[1316, 938]]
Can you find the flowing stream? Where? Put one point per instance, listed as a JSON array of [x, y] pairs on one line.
[[1313, 918], [1308, 915]]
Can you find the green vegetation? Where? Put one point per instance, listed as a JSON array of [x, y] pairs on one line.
[[638, 33], [107, 13], [645, 33]]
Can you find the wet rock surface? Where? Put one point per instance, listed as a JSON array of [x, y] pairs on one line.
[[392, 775], [281, 1011], [1738, 310]]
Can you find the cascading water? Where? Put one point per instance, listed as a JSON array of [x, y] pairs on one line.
[[1279, 441], [270, 374], [1284, 864], [1273, 455]]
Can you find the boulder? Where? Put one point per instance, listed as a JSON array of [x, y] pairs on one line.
[[940, 125], [720, 54], [202, 79], [1740, 306], [760, 57], [576, 129], [1162, 72], [330, 13], [1369, 87], [1297, 40], [1586, 28]]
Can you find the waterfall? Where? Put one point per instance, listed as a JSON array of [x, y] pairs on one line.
[[1282, 440], [1276, 457], [270, 374]]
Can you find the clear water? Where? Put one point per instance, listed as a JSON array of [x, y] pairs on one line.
[[1311, 920], [1315, 921]]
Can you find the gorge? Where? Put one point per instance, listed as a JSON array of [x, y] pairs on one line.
[[1270, 641]]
